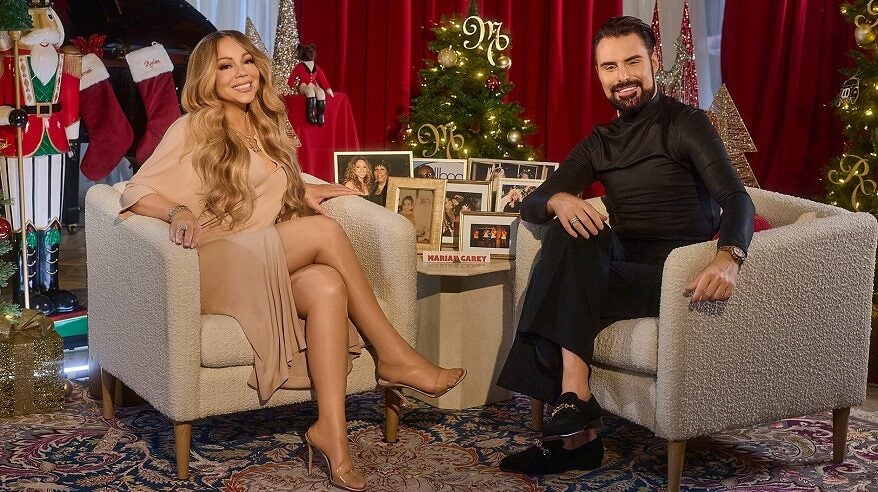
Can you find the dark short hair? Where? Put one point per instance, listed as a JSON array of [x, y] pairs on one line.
[[617, 27]]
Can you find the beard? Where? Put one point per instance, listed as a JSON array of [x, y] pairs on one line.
[[632, 104], [44, 61]]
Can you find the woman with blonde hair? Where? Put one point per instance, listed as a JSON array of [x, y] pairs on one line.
[[226, 179], [358, 175]]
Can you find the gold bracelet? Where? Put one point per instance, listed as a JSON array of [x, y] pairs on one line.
[[176, 209]]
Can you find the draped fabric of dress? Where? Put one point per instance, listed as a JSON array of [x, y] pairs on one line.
[[244, 272]]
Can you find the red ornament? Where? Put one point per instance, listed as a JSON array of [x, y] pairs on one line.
[[492, 83], [5, 229], [94, 44]]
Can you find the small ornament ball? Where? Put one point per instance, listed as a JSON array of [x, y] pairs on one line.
[[514, 137], [447, 58], [5, 229], [865, 37], [504, 62], [68, 387], [492, 83]]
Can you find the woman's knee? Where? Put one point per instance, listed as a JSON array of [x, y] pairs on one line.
[[320, 282]]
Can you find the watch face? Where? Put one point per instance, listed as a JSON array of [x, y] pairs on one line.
[[740, 253]]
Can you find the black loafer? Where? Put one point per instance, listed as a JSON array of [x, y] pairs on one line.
[[551, 458], [572, 416]]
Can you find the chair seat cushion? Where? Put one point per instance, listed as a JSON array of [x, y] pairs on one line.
[[630, 344]]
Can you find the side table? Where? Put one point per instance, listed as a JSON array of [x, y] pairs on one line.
[[465, 320]]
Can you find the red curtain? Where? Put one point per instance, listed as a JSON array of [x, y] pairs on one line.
[[373, 49], [780, 61]]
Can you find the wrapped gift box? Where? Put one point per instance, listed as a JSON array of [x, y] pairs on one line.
[[31, 365]]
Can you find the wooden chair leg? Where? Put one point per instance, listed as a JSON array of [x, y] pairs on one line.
[[392, 407], [840, 433], [676, 454], [107, 384], [182, 441], [536, 414]]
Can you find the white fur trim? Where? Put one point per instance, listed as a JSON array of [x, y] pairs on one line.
[[4, 114], [149, 62], [72, 130], [93, 71]]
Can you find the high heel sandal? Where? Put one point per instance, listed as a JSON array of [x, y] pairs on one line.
[[395, 385], [337, 478]]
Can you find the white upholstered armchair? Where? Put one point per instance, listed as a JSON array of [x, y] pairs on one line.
[[792, 340], [146, 326]]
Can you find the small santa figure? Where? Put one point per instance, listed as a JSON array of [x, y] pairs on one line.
[[308, 79]]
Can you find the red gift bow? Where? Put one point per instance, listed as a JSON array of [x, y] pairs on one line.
[[94, 44]]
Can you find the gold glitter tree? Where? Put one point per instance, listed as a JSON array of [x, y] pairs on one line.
[[728, 123], [285, 41]]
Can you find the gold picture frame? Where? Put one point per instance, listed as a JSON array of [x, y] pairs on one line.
[[426, 206], [488, 232]]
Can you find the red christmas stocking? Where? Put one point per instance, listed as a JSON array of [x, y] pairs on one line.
[[109, 133], [151, 68]]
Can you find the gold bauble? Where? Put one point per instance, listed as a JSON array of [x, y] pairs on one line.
[[514, 136], [447, 58], [504, 62], [865, 37], [68, 388]]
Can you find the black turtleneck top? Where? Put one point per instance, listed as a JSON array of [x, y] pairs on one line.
[[666, 175]]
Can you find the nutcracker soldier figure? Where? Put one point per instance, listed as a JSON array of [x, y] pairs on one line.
[[49, 117]]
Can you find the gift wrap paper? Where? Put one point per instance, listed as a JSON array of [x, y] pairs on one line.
[[31, 365]]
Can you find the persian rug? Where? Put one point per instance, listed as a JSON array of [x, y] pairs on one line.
[[438, 450]]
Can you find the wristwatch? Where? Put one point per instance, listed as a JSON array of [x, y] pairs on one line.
[[738, 254]]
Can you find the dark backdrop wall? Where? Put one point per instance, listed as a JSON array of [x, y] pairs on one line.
[[373, 49]]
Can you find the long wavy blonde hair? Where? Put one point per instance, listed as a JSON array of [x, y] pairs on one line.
[[220, 156], [350, 174]]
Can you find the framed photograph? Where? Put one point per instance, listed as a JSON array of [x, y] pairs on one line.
[[488, 232], [510, 193], [462, 196], [419, 200], [441, 168], [368, 171], [493, 169]]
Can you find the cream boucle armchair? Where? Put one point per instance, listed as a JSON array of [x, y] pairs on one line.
[[792, 340], [146, 326]]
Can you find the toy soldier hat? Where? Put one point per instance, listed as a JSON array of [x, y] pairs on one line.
[[40, 3]]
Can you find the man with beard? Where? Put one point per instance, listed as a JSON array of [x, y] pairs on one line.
[[49, 117], [667, 176]]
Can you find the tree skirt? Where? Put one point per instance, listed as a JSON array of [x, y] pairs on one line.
[[438, 450]]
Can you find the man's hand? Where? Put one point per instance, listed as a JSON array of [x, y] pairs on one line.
[[717, 281], [576, 215], [316, 193]]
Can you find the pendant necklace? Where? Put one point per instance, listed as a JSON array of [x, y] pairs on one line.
[[251, 141]]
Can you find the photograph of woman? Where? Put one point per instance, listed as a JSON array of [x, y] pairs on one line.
[[358, 175], [226, 179], [379, 188]]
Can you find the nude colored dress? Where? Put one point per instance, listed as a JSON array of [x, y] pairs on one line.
[[243, 271]]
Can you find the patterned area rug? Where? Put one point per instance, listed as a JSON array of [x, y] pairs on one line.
[[438, 451]]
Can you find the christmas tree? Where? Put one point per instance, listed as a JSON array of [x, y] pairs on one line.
[[461, 111], [14, 16], [851, 177]]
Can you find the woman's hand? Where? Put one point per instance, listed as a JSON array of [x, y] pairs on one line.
[[185, 229], [316, 193]]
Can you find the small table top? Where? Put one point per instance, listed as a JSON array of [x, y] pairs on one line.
[[463, 269]]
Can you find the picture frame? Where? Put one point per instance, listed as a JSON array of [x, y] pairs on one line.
[[462, 195], [510, 192], [488, 232], [421, 201], [490, 169], [456, 169], [395, 162]]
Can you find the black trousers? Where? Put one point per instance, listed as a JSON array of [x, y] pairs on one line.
[[579, 287]]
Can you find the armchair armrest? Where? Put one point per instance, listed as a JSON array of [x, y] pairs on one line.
[[793, 339], [144, 304]]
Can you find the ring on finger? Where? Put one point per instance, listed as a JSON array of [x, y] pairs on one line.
[[574, 220], [182, 227]]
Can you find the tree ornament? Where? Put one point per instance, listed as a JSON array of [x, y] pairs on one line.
[[447, 58], [865, 36], [479, 31], [68, 388], [514, 136], [850, 91], [475, 126], [492, 83], [504, 62]]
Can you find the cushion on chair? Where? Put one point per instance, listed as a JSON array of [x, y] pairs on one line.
[[631, 344], [223, 343]]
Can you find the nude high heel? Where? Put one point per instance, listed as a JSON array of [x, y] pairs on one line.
[[338, 478], [405, 373]]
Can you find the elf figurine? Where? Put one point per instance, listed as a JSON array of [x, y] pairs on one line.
[[308, 79], [49, 118]]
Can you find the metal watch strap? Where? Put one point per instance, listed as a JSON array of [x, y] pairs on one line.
[[731, 251]]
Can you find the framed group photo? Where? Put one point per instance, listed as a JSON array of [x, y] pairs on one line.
[[421, 201], [442, 168], [462, 196], [493, 169], [510, 193], [368, 171], [488, 232]]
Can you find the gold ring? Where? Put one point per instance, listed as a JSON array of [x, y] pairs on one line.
[[574, 220], [181, 227]]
